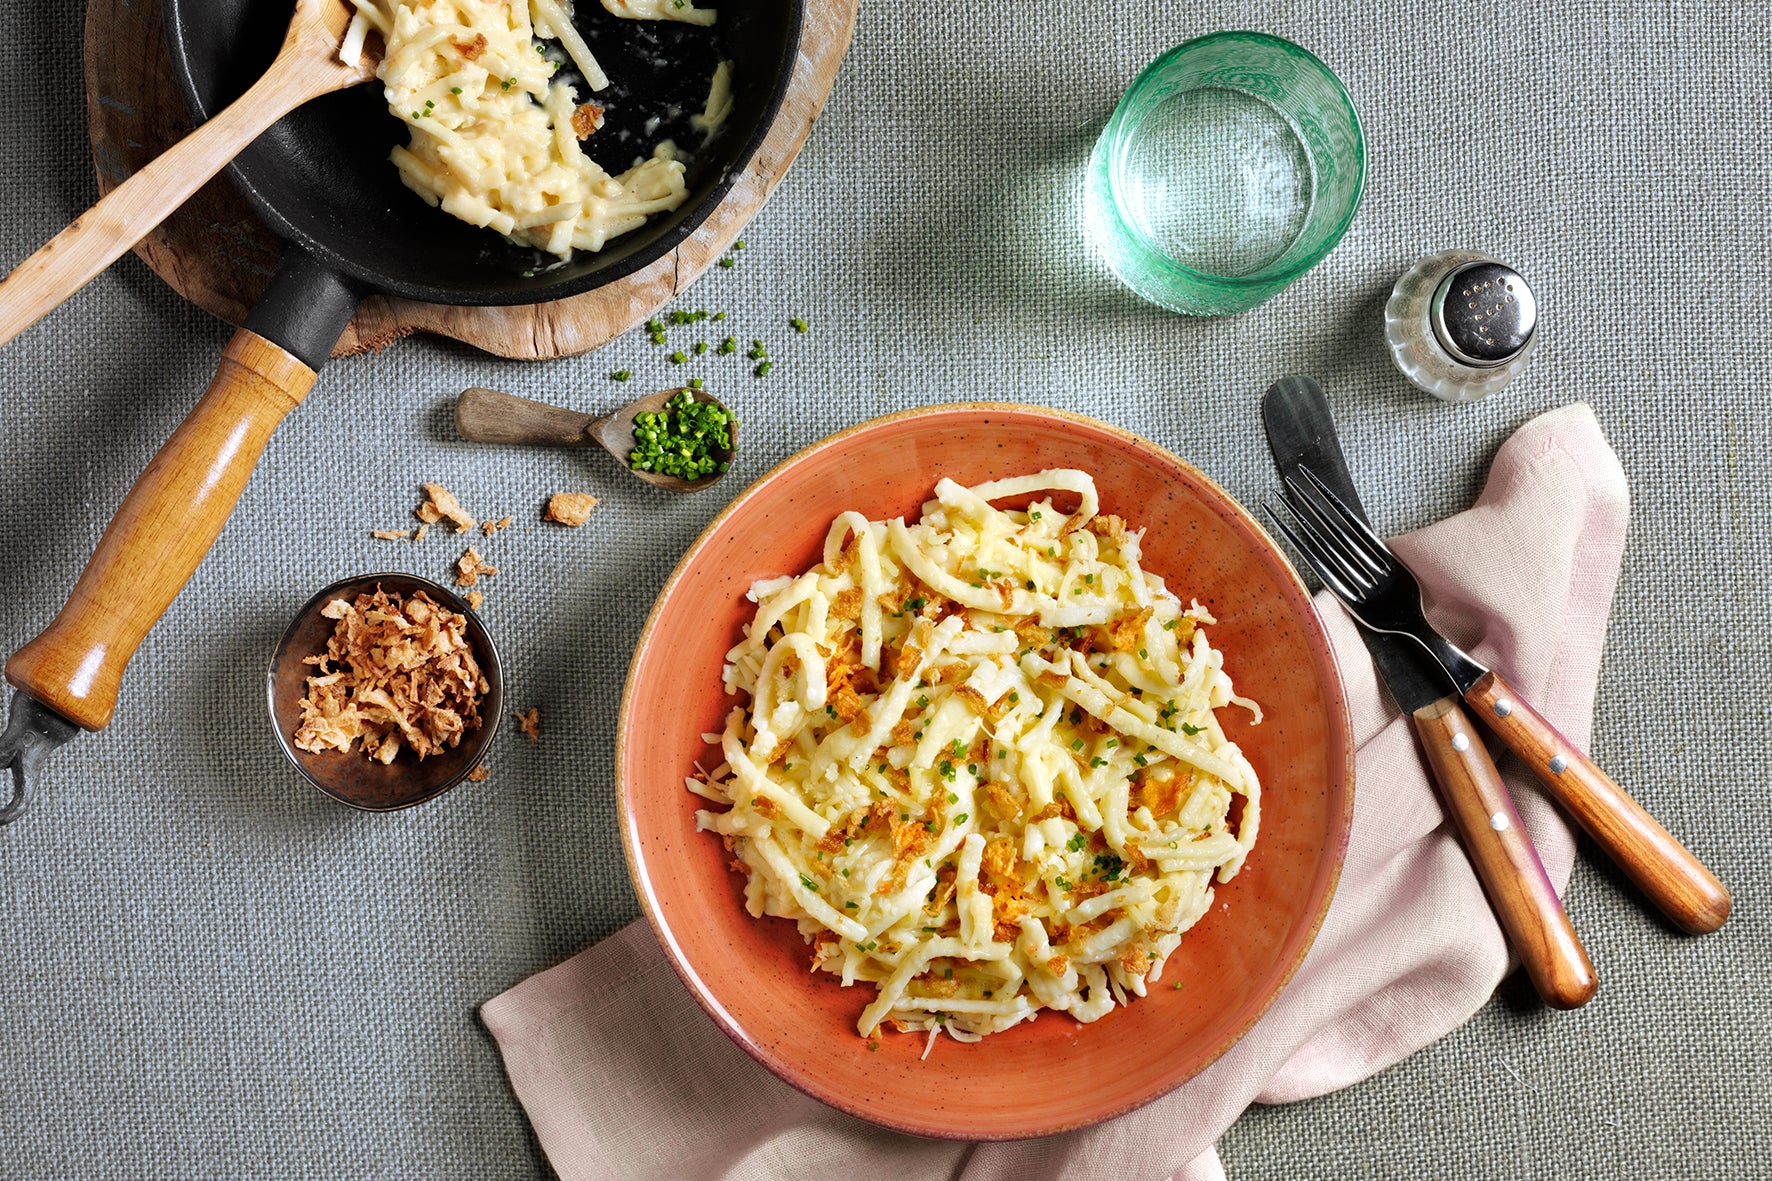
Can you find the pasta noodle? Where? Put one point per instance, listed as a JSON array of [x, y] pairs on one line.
[[719, 105], [979, 761], [494, 134], [661, 10]]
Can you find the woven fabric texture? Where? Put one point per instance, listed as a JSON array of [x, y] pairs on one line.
[[210, 970]]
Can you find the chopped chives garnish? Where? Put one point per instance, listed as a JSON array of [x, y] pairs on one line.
[[689, 439]]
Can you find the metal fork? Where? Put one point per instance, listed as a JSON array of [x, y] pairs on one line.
[[1476, 800], [1360, 569], [1382, 594]]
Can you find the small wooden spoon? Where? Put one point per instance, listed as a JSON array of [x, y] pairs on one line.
[[305, 68], [488, 416]]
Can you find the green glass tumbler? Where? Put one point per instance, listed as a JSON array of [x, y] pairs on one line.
[[1232, 166]]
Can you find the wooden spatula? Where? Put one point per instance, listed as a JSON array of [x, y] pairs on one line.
[[305, 68]]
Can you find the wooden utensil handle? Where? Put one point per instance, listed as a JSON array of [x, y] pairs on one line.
[[98, 237], [489, 416], [1523, 898], [1676, 882], [161, 532]]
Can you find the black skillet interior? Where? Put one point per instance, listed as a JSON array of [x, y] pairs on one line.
[[321, 176]]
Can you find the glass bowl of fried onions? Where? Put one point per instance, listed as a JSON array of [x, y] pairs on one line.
[[1020, 734]]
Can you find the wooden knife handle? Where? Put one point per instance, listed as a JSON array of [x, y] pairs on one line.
[[1523, 898], [161, 533], [491, 416], [1678, 883]]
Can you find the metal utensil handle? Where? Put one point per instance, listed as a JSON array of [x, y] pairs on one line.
[[1524, 901], [1679, 884], [33, 730]]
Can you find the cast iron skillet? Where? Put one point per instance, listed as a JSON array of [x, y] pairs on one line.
[[322, 181]]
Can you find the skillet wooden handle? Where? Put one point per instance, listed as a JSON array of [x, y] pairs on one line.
[[161, 532], [1522, 897], [1679, 884]]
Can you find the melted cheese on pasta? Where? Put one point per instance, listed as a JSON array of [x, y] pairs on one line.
[[979, 760], [661, 10], [493, 131]]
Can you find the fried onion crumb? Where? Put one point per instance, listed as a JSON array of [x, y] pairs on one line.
[[531, 724], [443, 506], [390, 534], [475, 599], [586, 120], [471, 567], [478, 774], [397, 672], [570, 508]]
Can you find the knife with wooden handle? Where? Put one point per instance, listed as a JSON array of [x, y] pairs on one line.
[[1526, 905], [1387, 603]]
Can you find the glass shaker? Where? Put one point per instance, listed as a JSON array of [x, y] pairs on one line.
[[1461, 324]]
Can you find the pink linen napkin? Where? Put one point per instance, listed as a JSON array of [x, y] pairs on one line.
[[623, 1076]]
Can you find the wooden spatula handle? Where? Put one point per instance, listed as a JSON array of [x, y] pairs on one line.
[[98, 237], [1524, 901], [1678, 883], [161, 533]]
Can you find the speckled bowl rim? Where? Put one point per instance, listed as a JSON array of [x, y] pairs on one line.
[[1335, 702]]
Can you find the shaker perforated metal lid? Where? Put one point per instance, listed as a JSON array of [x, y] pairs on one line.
[[1483, 314]]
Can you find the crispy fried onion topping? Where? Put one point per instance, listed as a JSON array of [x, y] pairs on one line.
[[397, 672]]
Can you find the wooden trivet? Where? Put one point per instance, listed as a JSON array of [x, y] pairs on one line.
[[217, 253]]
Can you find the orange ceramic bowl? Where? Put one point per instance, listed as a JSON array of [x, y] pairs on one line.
[[751, 975]]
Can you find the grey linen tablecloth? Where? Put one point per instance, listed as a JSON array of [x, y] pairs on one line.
[[209, 970]]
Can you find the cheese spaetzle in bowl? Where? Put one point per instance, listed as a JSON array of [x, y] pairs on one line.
[[979, 762], [999, 723]]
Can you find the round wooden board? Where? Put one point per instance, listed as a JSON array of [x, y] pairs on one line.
[[216, 253]]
